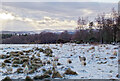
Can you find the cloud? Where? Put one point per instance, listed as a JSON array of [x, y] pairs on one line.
[[17, 23], [6, 16], [17, 26], [87, 11]]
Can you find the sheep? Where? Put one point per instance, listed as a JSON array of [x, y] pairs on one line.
[[82, 58], [56, 58], [115, 53], [83, 63], [69, 61]]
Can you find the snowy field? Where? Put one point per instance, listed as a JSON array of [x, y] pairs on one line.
[[101, 60]]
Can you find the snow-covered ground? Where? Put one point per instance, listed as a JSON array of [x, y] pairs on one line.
[[99, 64]]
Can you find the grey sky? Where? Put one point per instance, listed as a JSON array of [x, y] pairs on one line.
[[104, 1], [23, 16]]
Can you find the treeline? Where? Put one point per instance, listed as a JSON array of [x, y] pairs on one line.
[[4, 36], [80, 36], [43, 37]]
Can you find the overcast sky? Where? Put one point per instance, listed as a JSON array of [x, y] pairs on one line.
[[31, 16], [104, 1]]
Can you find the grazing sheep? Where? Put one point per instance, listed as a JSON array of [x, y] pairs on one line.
[[115, 53], [83, 63], [82, 58], [69, 61], [44, 63], [92, 48], [56, 58]]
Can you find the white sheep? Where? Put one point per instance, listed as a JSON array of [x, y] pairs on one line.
[[82, 58], [83, 63]]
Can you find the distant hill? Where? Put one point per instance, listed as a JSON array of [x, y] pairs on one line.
[[16, 32], [35, 32]]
